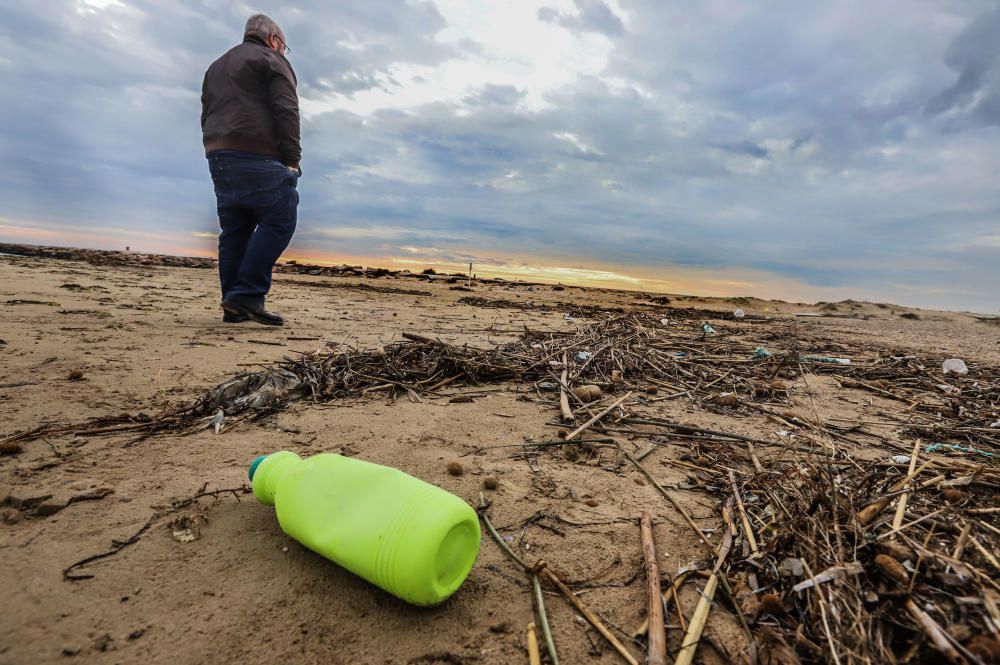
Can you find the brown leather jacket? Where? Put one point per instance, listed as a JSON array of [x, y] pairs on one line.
[[248, 103]]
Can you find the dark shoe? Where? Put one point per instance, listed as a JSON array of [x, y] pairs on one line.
[[253, 311], [229, 317]]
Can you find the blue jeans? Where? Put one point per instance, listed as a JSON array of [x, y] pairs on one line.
[[257, 199]]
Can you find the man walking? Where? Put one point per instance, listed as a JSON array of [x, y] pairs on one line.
[[250, 129]]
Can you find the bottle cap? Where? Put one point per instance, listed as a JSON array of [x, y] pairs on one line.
[[255, 464]]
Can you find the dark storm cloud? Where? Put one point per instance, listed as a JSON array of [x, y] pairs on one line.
[[975, 56]]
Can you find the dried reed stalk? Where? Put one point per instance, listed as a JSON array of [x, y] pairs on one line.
[[657, 653]]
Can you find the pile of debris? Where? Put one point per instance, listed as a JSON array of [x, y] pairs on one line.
[[101, 257], [837, 545]]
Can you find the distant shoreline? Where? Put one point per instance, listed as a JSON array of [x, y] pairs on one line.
[[107, 257]]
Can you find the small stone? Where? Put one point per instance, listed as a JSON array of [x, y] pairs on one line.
[[75, 375], [562, 434], [11, 515], [104, 643], [26, 498], [10, 448], [501, 628], [92, 494], [490, 482], [455, 469], [593, 503], [792, 567], [136, 634], [639, 480], [53, 505]]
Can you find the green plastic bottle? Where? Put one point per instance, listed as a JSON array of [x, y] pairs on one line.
[[414, 540]]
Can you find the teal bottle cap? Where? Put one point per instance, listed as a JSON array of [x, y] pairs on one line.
[[255, 464]]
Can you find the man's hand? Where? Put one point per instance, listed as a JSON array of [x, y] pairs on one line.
[[294, 167]]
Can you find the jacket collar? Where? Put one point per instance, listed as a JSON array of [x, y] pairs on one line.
[[256, 40]]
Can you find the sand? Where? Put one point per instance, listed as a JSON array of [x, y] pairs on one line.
[[145, 337]]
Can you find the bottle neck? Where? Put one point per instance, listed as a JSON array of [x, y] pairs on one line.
[[269, 473]]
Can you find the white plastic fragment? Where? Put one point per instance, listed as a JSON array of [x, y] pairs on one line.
[[739, 314], [954, 366]]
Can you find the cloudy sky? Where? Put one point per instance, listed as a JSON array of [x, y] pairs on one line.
[[803, 150]]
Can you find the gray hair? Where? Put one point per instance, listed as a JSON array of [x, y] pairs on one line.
[[262, 27]]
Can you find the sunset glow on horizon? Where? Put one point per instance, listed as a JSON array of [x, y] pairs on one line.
[[716, 283]]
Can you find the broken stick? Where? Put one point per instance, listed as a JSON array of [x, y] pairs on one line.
[[534, 657], [567, 413], [747, 529], [657, 629], [690, 645], [584, 427], [897, 520], [586, 612], [934, 632]]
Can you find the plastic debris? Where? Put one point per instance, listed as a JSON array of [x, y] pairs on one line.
[[583, 355], [708, 330], [934, 447], [900, 459], [739, 314], [761, 352], [217, 420], [827, 359], [567, 317], [954, 366]]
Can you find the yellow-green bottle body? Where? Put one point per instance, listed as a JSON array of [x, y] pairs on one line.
[[411, 538]]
